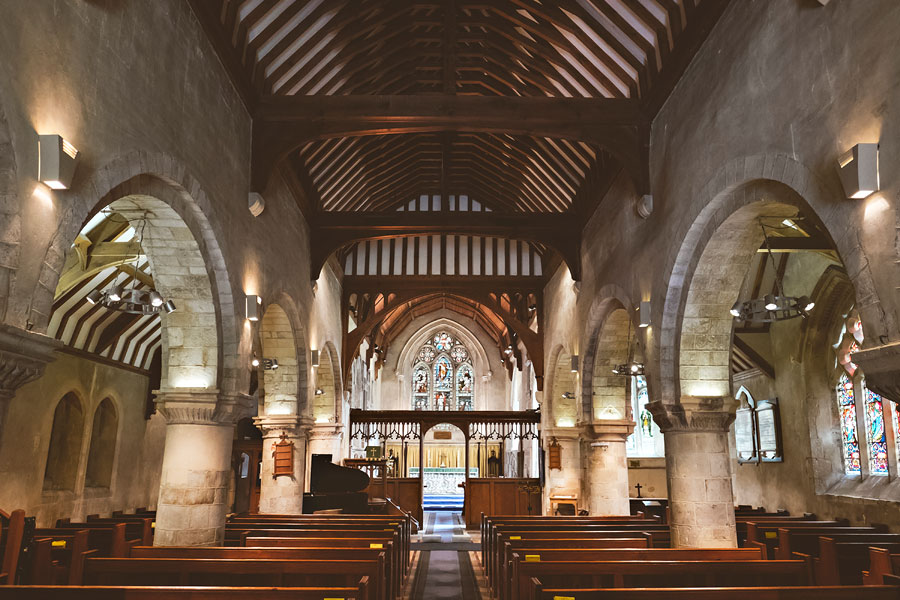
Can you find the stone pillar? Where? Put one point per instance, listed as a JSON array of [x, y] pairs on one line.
[[607, 468], [698, 468], [283, 494], [196, 468], [23, 357]]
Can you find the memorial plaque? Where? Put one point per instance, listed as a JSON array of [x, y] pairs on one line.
[[769, 438], [744, 435]]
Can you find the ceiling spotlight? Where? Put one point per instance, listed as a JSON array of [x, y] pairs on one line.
[[270, 364], [736, 309], [806, 303], [568, 395], [169, 307], [254, 361], [508, 350], [115, 293], [319, 391], [156, 298], [532, 307], [95, 296], [771, 304]]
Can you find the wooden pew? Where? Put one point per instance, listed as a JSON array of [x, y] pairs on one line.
[[765, 535], [617, 555], [842, 559], [385, 579], [803, 540], [109, 539], [57, 556], [135, 527], [882, 563], [741, 524], [360, 591], [699, 573], [539, 592], [229, 572], [12, 529]]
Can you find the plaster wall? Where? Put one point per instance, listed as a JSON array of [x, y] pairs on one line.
[[139, 443]]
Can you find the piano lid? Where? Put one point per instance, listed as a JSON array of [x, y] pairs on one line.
[[328, 478]]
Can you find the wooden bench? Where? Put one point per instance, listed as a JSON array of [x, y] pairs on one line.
[[57, 556], [231, 572], [109, 539], [700, 573], [539, 592], [12, 530], [842, 559], [741, 524], [616, 555], [805, 540], [135, 527], [765, 535], [360, 591], [387, 579]]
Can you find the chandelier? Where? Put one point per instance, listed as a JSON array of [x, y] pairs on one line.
[[132, 300], [772, 307], [631, 367]]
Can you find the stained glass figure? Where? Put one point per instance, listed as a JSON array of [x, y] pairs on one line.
[[443, 374], [849, 439], [464, 380], [443, 342], [441, 401], [647, 438], [427, 354], [420, 388], [875, 435]]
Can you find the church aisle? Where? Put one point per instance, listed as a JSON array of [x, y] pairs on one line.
[[444, 570]]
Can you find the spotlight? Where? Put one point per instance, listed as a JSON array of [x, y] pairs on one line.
[[156, 299], [115, 293], [635, 368], [574, 366], [169, 307], [771, 304], [252, 305], [319, 391], [57, 159], [736, 309], [858, 170], [254, 361], [314, 358], [644, 314], [95, 297], [270, 364], [806, 303], [508, 350]]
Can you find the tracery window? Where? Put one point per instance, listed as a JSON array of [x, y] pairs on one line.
[[851, 385], [443, 377]]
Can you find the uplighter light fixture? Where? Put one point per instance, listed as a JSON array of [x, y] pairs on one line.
[[252, 307], [574, 363], [314, 358], [57, 159], [858, 169], [644, 314]]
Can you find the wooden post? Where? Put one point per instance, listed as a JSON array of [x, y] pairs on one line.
[[466, 489]]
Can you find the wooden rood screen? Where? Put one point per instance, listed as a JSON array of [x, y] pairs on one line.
[[507, 493]]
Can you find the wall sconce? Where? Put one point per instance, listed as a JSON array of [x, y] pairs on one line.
[[320, 392], [314, 358], [858, 169], [57, 159], [270, 364], [252, 307], [644, 314], [574, 363]]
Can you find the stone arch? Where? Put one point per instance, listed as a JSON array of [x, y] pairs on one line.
[[597, 362], [325, 403], [330, 349], [748, 182], [102, 452], [64, 451], [177, 194], [277, 341], [10, 221]]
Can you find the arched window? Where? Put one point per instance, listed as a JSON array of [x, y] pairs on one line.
[[846, 398], [647, 439], [65, 444], [875, 436], [443, 377], [103, 446]]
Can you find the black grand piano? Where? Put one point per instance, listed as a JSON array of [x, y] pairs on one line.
[[335, 487]]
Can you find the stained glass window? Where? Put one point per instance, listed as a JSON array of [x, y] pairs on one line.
[[443, 378], [849, 439], [875, 435], [646, 440]]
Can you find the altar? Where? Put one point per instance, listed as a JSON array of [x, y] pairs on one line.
[[444, 481]]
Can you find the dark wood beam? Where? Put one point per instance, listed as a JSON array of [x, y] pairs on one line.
[[761, 363], [798, 244], [700, 23], [283, 124], [207, 12]]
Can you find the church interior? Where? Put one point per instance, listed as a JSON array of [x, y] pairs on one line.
[[497, 300]]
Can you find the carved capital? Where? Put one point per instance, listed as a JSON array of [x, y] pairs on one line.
[[694, 414], [610, 430], [202, 406], [882, 368], [23, 357], [294, 426], [326, 431]]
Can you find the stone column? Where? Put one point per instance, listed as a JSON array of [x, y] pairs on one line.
[[196, 468], [698, 468], [23, 357], [607, 467], [283, 494]]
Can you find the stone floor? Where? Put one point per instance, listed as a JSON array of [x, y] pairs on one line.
[[445, 559]]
